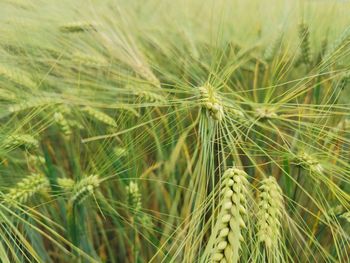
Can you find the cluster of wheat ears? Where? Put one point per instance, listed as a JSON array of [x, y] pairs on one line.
[[174, 131]]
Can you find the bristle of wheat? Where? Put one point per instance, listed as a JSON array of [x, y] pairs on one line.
[[84, 188], [26, 189], [212, 102], [270, 213], [232, 214]]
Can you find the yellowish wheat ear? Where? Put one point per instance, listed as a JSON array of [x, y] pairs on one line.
[[269, 214], [26, 189], [212, 102], [231, 218]]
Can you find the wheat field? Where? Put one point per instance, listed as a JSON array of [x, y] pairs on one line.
[[174, 131]]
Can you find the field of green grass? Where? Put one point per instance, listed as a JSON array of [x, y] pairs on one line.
[[174, 131]]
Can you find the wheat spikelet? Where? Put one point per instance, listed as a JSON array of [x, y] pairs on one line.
[[150, 96], [89, 60], [21, 140], [33, 103], [66, 184], [212, 102], [146, 73], [84, 188], [120, 151], [308, 161], [25, 189], [346, 216], [231, 217], [265, 113], [269, 214], [36, 159], [17, 76], [100, 116], [134, 196], [77, 27], [62, 123], [304, 36]]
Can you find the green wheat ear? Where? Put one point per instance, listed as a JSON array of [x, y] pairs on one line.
[[26, 189], [269, 214], [231, 220], [84, 188]]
